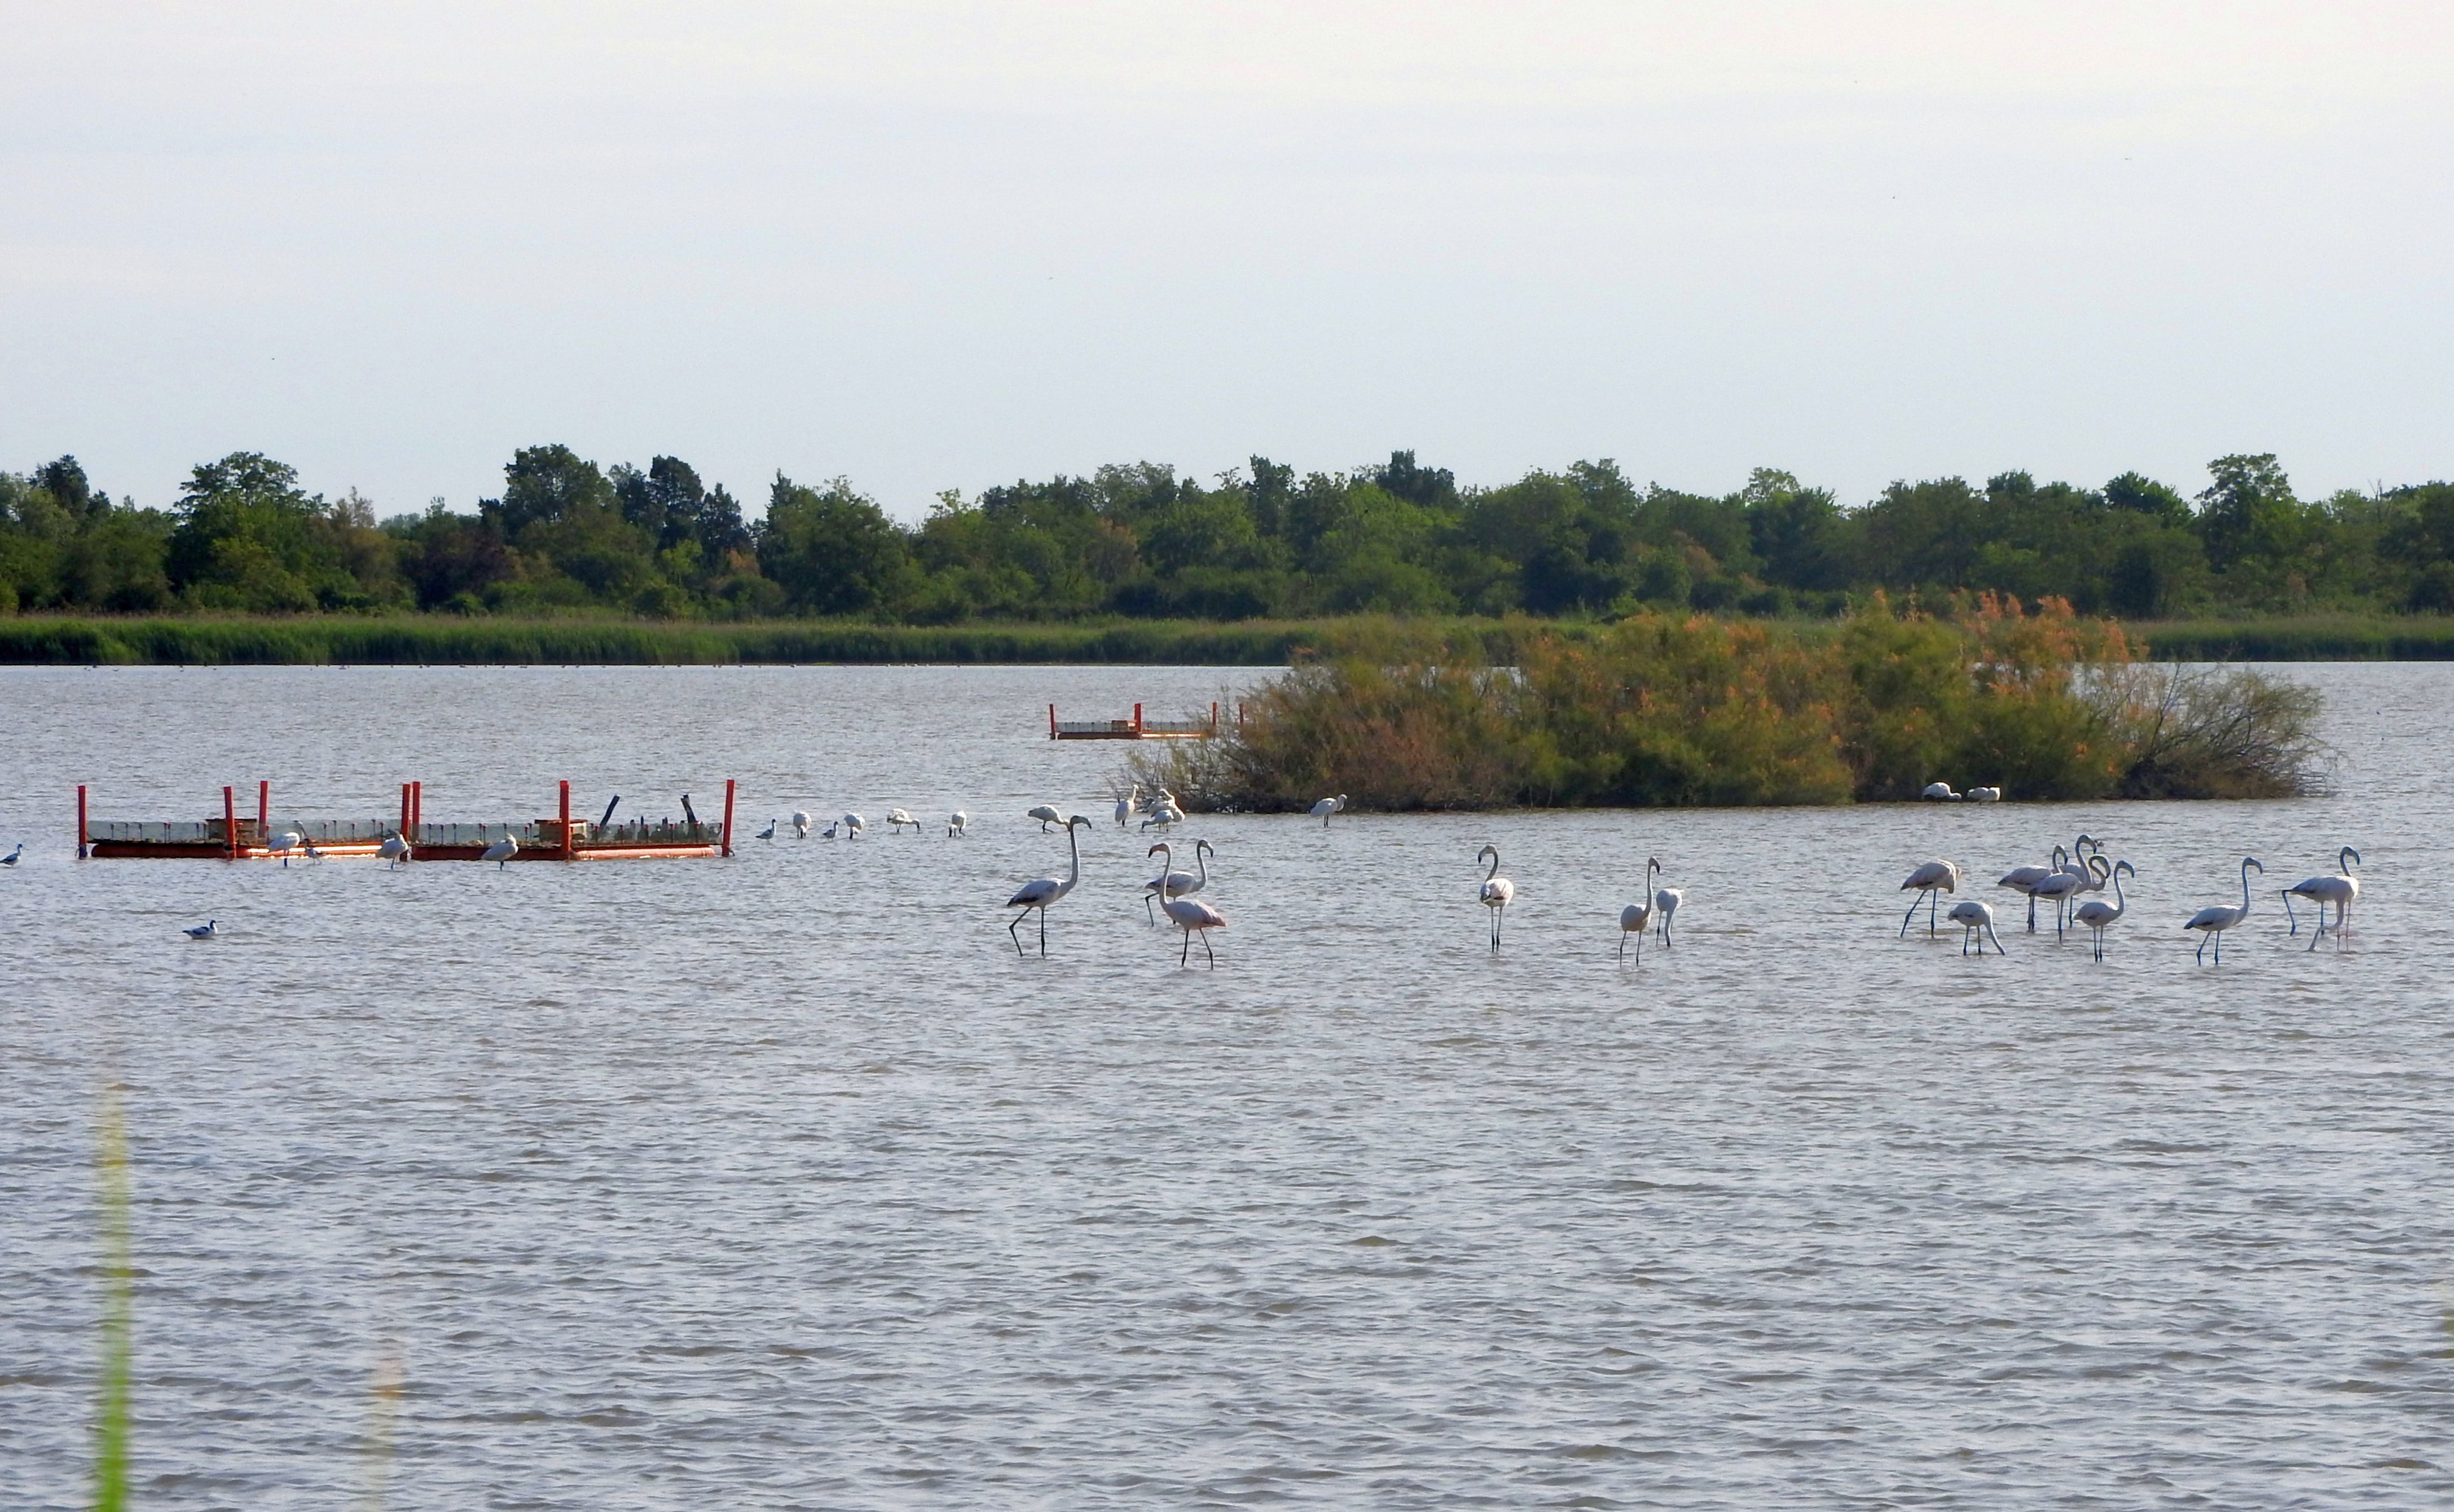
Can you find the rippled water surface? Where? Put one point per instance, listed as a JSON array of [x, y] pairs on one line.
[[783, 1182]]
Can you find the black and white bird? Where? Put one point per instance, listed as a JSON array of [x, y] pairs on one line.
[[11, 859], [203, 931]]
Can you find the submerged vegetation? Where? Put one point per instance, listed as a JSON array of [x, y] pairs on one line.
[[1681, 710]]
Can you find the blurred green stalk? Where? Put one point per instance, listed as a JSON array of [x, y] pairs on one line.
[[118, 1308]]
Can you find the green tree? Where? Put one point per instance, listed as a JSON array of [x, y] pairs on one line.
[[833, 550]]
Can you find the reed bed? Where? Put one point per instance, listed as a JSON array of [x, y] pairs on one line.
[[1678, 711]]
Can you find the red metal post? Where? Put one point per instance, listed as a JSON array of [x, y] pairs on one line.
[[404, 810], [728, 816], [1214, 722], [1051, 722], [264, 813], [567, 850], [1138, 720], [81, 827], [417, 804], [230, 821]]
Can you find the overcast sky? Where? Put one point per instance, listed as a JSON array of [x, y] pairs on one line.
[[938, 246]]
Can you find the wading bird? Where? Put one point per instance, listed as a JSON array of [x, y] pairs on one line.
[[1975, 921], [768, 833], [800, 825], [2212, 922], [1633, 918], [896, 818], [2338, 888], [1984, 795], [1046, 814], [1327, 806], [2024, 880], [1126, 804], [284, 842], [1665, 907], [1495, 892], [11, 859], [1176, 883], [957, 823], [393, 850], [203, 931], [828, 833], [2065, 884], [1042, 891], [502, 851], [1191, 914], [2097, 915], [1940, 793], [852, 827], [1166, 815], [1928, 880]]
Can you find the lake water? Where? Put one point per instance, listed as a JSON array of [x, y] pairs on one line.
[[782, 1182]]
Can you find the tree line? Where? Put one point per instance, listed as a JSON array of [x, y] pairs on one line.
[[1139, 540]]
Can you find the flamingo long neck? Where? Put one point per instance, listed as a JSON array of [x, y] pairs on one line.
[[1494, 865], [2120, 902], [1073, 843], [2343, 859], [2245, 889], [1202, 859]]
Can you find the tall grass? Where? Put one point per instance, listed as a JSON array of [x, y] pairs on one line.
[[1658, 710], [2307, 638], [111, 1408]]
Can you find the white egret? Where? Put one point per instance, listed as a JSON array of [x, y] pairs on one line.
[[1633, 918], [1327, 806], [2338, 888], [896, 818], [2212, 922], [1046, 814], [1042, 891], [1495, 892], [1927, 880], [2097, 915], [1191, 914], [1176, 883], [957, 823], [203, 931], [1975, 921]]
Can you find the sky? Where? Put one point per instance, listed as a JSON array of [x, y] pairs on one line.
[[932, 245]]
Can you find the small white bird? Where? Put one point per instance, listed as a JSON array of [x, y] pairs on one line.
[[1976, 923], [1165, 815], [2338, 888], [1495, 892], [1191, 914], [1940, 793], [800, 825], [1046, 814], [957, 824], [284, 842], [896, 818], [203, 931], [2098, 915], [1176, 883], [1126, 804], [1633, 918], [11, 859], [393, 850], [1327, 806], [1039, 893], [1665, 907], [852, 827], [502, 851], [2212, 922], [1927, 880], [768, 833]]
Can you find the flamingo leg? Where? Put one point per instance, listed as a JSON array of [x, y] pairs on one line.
[[1150, 912], [2202, 949], [2286, 893], [1997, 943], [1017, 939], [1205, 934], [1911, 914], [2032, 913], [1184, 957], [1933, 901], [1622, 945], [1043, 931]]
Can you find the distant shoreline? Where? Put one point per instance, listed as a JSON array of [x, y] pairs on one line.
[[440, 640]]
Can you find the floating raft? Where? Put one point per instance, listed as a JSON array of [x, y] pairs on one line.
[[560, 838], [1134, 728]]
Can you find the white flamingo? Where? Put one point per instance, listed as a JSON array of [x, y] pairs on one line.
[[2212, 922], [1940, 793], [393, 850], [957, 824], [1633, 918], [1126, 805], [1042, 891], [2065, 884], [1665, 907], [2338, 888], [1046, 814], [800, 825], [2024, 880], [1191, 914], [2098, 915], [1327, 806], [1975, 921], [1176, 883], [502, 851], [896, 818], [1928, 878], [1495, 892]]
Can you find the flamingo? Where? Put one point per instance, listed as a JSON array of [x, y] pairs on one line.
[[203, 931], [852, 827], [1975, 921], [2024, 878], [957, 823], [2338, 888], [1042, 891], [2097, 914], [393, 850], [1191, 914], [1045, 814], [1665, 905], [1940, 793], [768, 833], [1327, 806], [1927, 880], [800, 825], [1633, 918], [502, 851], [896, 818], [1126, 804], [2212, 922], [2065, 884], [1176, 883], [11, 859], [1495, 892]]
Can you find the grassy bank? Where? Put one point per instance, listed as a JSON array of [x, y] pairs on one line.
[[448, 640]]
